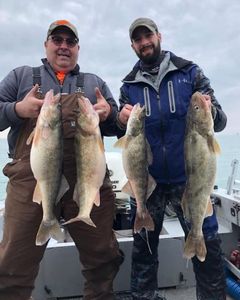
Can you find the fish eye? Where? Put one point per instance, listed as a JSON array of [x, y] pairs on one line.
[[196, 107]]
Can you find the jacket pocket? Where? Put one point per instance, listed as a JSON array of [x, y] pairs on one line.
[[171, 97], [147, 101], [8, 167], [18, 169]]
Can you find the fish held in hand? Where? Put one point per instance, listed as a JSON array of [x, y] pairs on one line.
[[200, 149], [136, 157], [46, 164], [90, 161]]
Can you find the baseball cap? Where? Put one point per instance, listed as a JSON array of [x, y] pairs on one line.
[[146, 22], [62, 23]]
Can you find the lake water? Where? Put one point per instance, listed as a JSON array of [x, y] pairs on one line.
[[230, 149]]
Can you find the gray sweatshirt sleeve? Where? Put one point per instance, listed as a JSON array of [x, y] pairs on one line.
[[8, 99]]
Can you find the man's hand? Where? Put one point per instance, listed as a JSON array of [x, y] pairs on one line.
[[208, 99], [30, 106], [102, 107], [124, 114], [209, 103]]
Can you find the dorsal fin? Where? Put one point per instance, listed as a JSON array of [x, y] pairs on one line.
[[121, 143]]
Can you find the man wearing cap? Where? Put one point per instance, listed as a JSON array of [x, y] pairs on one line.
[[21, 94], [164, 83]]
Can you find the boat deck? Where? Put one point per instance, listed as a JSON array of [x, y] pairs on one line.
[[176, 284], [169, 294]]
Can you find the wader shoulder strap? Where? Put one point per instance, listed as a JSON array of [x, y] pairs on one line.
[[80, 83], [37, 80], [36, 76]]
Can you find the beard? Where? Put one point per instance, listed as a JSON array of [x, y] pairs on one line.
[[150, 59]]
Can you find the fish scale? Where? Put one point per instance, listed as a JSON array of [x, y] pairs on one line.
[[136, 157], [90, 161], [46, 163], [200, 149]]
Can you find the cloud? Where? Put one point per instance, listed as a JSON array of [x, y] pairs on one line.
[[206, 32]]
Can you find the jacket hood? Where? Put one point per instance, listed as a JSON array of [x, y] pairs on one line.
[[178, 61]]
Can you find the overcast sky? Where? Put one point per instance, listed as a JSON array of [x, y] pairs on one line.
[[206, 32]]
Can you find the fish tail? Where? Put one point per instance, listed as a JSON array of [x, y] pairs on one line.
[[143, 220], [195, 246], [46, 231], [86, 220]]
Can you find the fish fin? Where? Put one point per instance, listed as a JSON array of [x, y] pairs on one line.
[[216, 147], [185, 207], [209, 210], [121, 143], [37, 135], [127, 188], [86, 220], [213, 144], [143, 221], [195, 246], [75, 195], [30, 138], [2, 210], [151, 185], [64, 187], [100, 143], [45, 232], [45, 132], [97, 199], [149, 153], [37, 195]]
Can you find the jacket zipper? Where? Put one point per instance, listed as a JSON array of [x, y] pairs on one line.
[[165, 165]]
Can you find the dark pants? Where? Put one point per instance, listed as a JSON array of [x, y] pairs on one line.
[[210, 276], [20, 257]]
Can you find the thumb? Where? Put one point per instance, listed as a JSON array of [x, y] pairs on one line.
[[33, 90], [98, 94]]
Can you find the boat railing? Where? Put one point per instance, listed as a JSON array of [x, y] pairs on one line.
[[233, 185]]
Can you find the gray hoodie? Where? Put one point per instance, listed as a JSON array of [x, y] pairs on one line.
[[19, 82]]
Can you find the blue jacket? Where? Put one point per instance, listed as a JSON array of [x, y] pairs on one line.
[[166, 108]]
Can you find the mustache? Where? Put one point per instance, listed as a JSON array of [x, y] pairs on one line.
[[64, 52], [149, 59], [145, 47]]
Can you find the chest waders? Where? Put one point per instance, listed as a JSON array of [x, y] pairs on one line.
[[19, 256]]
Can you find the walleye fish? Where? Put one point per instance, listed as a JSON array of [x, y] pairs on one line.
[[137, 156], [200, 149], [46, 163], [90, 160]]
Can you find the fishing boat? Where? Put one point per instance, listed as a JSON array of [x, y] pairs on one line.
[[61, 279]]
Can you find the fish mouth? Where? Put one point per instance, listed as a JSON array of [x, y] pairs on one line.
[[200, 101], [88, 116], [83, 104], [139, 110]]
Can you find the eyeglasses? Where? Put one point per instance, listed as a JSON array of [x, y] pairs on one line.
[[58, 40]]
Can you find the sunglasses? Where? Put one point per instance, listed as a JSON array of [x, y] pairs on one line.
[[58, 40]]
